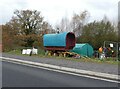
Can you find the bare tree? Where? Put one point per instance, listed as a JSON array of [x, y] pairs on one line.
[[64, 25], [78, 21]]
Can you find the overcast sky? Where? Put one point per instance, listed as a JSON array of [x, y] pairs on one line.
[[54, 10]]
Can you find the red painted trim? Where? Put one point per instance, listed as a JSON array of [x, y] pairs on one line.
[[69, 39], [56, 48]]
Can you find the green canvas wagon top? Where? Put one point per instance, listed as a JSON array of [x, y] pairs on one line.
[[83, 49]]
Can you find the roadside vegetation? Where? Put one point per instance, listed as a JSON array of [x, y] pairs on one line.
[[41, 54]]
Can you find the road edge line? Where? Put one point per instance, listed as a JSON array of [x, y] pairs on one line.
[[84, 72]]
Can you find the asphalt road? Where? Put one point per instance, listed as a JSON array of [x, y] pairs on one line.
[[15, 75], [97, 67]]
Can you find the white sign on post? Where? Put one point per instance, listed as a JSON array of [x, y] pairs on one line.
[[28, 51], [111, 45], [35, 51], [24, 51]]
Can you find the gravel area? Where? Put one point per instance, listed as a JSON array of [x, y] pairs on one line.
[[103, 68]]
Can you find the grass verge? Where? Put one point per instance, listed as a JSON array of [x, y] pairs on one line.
[[82, 59]]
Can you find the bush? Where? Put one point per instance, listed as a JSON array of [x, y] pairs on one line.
[[41, 51]]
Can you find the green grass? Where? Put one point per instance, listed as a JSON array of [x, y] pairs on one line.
[[41, 54], [18, 52]]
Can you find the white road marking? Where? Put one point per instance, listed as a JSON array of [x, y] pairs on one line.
[[63, 69]]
